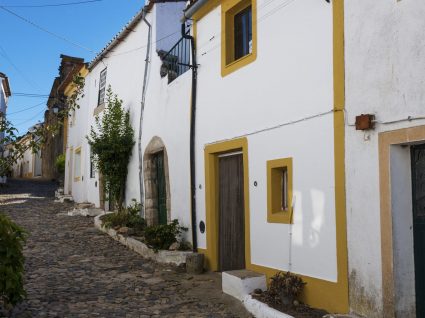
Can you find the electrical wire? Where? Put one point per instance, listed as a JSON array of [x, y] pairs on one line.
[[51, 5], [47, 31], [22, 74], [259, 20], [143, 46], [288, 2], [32, 118], [296, 121], [25, 109], [29, 95]]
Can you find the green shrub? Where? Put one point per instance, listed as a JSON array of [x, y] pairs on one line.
[[160, 237], [12, 239], [60, 163], [284, 287], [128, 217]]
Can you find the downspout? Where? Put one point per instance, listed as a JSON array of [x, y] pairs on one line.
[[188, 13], [192, 137], [142, 108]]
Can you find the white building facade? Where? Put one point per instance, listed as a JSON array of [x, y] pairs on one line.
[[252, 141], [5, 93], [385, 58], [29, 164], [270, 115], [122, 66]]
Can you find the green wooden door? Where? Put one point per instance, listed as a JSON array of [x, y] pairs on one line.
[[161, 188], [418, 187]]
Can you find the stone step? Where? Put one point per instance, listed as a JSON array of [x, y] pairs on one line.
[[240, 283]]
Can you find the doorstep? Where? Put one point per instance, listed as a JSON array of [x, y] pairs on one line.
[[241, 283]]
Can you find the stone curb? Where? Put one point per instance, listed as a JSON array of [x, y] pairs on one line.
[[262, 310], [166, 257]]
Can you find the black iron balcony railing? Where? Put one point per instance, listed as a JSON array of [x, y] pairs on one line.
[[176, 61]]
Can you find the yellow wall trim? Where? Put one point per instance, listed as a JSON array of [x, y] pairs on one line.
[[386, 139], [332, 296], [277, 215], [229, 66], [211, 197]]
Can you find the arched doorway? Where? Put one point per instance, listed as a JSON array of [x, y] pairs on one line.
[[157, 184]]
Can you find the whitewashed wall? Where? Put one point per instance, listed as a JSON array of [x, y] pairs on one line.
[[77, 132], [166, 108], [385, 59], [291, 79], [26, 162]]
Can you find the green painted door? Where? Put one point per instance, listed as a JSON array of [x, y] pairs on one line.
[[161, 188], [418, 187]]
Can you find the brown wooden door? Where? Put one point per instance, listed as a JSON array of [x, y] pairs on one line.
[[231, 213]]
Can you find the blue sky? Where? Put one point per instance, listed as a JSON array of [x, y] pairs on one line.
[[30, 57]]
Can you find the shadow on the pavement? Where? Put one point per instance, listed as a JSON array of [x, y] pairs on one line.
[[33, 187]]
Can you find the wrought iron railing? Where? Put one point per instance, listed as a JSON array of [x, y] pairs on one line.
[[177, 60]]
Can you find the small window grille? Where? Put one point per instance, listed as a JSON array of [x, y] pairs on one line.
[[284, 189], [102, 87]]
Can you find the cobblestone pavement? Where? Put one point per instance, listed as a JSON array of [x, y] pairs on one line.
[[72, 270]]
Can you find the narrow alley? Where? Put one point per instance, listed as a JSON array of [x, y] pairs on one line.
[[73, 270]]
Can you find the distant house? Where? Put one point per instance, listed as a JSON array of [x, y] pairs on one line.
[[53, 123], [124, 65], [5, 93], [30, 164]]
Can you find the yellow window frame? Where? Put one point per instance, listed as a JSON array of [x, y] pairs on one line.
[[275, 212], [228, 11], [77, 151]]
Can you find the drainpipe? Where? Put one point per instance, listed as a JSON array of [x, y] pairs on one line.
[[145, 82], [192, 137], [188, 13]]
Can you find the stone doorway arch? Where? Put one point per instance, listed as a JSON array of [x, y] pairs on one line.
[[152, 210]]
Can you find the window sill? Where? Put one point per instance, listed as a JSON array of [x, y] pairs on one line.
[[284, 217], [231, 67], [98, 109]]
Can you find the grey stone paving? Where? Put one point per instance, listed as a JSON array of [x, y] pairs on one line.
[[72, 270]]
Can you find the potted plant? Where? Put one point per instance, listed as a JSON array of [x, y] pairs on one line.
[[286, 287]]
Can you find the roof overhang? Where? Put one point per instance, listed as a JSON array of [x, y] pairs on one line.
[[6, 86]]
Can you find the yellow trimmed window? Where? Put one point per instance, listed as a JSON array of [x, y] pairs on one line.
[[279, 191], [77, 164], [239, 30]]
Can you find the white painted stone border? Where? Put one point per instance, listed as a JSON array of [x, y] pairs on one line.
[[166, 257], [262, 310]]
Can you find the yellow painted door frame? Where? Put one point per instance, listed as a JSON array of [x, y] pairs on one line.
[[211, 197]]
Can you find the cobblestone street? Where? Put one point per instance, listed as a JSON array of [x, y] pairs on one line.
[[72, 270]]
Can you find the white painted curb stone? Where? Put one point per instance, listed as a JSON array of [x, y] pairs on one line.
[[262, 310]]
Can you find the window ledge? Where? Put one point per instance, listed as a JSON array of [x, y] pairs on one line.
[[284, 217], [98, 109]]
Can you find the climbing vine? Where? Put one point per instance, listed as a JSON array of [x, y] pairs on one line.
[[111, 141]]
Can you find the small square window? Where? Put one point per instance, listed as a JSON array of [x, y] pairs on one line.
[[77, 164], [279, 191]]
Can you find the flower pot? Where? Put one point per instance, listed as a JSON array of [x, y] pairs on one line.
[[287, 300]]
